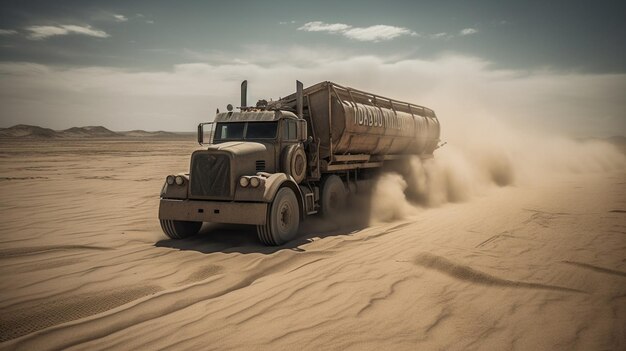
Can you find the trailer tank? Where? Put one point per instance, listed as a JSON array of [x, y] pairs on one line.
[[350, 121]]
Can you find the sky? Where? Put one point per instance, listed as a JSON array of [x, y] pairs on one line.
[[556, 66]]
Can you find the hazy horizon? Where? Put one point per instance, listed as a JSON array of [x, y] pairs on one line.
[[554, 68]]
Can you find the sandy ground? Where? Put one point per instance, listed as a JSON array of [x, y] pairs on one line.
[[84, 265]]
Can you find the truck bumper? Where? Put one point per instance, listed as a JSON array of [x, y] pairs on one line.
[[213, 211]]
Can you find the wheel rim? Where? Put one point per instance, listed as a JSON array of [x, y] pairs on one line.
[[284, 217]]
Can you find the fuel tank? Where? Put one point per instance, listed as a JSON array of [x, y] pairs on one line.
[[350, 121]]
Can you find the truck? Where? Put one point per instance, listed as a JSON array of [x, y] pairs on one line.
[[274, 164]]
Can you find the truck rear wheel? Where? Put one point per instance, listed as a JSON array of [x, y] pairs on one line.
[[334, 196], [179, 229], [283, 219]]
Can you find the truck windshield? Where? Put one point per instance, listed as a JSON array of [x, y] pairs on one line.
[[245, 130]]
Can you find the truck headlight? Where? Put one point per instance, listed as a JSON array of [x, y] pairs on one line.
[[244, 182], [179, 180], [255, 182], [169, 180]]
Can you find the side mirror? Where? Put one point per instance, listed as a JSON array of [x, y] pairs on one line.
[[302, 130], [200, 133]]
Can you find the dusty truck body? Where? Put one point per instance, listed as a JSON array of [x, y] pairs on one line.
[[276, 163]]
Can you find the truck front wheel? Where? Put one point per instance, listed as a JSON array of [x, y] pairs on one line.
[[179, 229], [283, 219]]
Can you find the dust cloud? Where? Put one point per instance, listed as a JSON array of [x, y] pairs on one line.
[[482, 157]]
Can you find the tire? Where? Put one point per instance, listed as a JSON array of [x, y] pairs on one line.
[[179, 229], [334, 196], [294, 163], [283, 219]]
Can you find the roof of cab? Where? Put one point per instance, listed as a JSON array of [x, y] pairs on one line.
[[254, 116]]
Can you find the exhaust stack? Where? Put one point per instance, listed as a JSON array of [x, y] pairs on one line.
[[299, 99], [244, 93]]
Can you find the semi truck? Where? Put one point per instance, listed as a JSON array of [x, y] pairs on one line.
[[273, 164]]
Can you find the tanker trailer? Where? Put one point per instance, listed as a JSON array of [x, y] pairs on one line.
[[273, 164]]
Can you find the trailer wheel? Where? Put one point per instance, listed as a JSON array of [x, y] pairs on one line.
[[179, 229], [334, 196], [294, 162], [283, 219]]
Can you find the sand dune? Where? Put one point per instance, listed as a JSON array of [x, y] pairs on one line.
[[35, 132], [538, 263]]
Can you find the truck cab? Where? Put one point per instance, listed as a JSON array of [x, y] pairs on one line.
[[254, 157], [269, 132]]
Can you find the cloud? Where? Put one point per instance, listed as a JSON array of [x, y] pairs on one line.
[[7, 32], [318, 26], [141, 15], [459, 88], [441, 35], [468, 31], [120, 18], [375, 33], [43, 32]]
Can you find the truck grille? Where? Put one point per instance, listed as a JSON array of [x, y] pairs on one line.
[[260, 165], [210, 175]]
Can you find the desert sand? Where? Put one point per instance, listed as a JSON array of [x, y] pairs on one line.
[[535, 264]]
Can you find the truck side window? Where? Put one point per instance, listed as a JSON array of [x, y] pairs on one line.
[[289, 130]]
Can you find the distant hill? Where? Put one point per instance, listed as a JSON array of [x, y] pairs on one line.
[[26, 131], [143, 133], [90, 131], [36, 132]]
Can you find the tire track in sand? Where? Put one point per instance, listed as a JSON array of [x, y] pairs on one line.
[[33, 317], [463, 272], [21, 251], [596, 268], [158, 304]]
